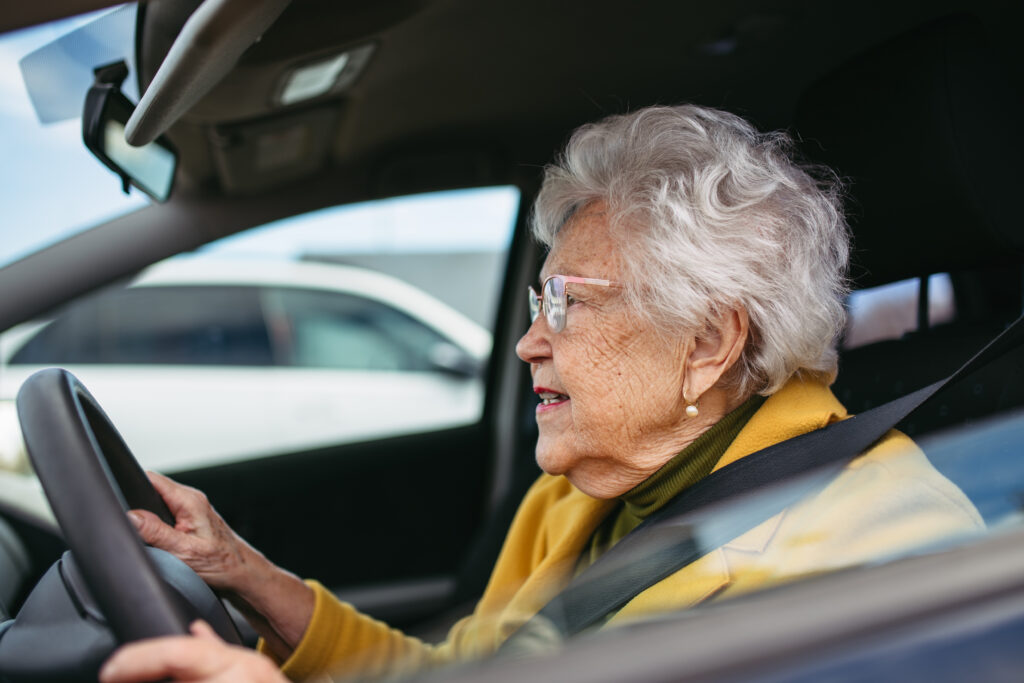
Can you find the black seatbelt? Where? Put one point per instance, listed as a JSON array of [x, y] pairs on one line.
[[690, 525]]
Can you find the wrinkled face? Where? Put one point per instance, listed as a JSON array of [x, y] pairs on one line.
[[612, 409]]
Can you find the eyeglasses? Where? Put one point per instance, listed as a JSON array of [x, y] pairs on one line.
[[554, 301]]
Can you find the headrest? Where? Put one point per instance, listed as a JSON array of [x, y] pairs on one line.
[[925, 129]]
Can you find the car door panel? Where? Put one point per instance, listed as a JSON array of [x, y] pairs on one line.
[[364, 519]]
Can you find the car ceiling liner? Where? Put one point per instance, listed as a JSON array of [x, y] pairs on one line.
[[209, 45], [924, 131]]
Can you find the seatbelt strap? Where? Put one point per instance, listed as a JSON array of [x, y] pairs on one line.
[[691, 524]]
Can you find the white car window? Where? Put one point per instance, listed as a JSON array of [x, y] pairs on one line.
[[200, 325], [341, 331]]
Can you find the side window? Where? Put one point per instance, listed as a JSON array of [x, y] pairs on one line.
[[890, 311], [242, 340], [346, 332], [175, 325]]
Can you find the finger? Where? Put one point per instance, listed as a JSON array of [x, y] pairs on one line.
[[203, 631], [180, 657], [181, 500], [154, 531], [159, 479]]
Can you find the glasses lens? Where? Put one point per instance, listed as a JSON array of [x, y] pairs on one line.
[[554, 303], [534, 305]]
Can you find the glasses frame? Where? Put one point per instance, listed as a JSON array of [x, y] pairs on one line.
[[554, 300]]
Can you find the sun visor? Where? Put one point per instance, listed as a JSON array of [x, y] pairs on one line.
[[925, 131], [58, 75]]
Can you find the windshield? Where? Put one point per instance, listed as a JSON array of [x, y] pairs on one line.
[[47, 161]]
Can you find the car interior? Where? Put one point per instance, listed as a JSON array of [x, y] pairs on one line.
[[939, 170], [912, 104]]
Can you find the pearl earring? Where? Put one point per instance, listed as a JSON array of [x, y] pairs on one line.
[[691, 410]]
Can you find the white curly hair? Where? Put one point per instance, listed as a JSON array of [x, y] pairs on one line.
[[710, 214]]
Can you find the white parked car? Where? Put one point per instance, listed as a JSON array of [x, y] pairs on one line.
[[200, 361]]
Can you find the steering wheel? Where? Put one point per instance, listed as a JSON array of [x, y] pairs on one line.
[[91, 479]]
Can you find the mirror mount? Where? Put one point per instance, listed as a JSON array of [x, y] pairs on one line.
[[150, 167], [109, 77]]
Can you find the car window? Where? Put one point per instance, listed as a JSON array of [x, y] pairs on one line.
[[341, 325], [889, 311], [342, 331], [158, 326]]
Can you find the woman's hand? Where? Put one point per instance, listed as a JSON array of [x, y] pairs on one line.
[[200, 537], [276, 602], [200, 657]]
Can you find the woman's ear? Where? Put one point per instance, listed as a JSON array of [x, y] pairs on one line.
[[714, 352]]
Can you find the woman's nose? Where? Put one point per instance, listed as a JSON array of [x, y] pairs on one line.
[[534, 346]]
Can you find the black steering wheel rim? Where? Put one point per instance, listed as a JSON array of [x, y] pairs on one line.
[[91, 479]]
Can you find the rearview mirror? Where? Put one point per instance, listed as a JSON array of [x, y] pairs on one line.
[[150, 167]]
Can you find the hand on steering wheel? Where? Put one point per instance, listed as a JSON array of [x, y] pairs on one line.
[[200, 537], [276, 602], [90, 478], [204, 658]]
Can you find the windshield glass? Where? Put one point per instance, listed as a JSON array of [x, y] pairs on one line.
[[51, 187]]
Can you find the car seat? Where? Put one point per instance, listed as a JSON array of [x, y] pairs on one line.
[[922, 131]]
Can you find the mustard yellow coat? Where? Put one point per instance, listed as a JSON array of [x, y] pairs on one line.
[[885, 501]]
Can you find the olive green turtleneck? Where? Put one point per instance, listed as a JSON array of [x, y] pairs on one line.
[[681, 472]]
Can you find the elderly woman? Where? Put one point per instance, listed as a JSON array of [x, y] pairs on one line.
[[686, 317]]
